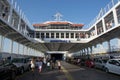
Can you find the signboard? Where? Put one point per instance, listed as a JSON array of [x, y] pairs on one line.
[[63, 41]]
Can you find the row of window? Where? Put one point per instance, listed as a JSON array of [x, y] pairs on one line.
[[58, 27], [109, 21], [62, 35]]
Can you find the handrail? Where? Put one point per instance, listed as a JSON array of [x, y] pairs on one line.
[[103, 11], [19, 11]]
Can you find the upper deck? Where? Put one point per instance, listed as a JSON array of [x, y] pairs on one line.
[[58, 25]]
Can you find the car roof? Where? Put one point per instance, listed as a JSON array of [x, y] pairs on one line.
[[115, 59]]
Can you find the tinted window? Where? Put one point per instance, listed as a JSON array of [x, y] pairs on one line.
[[18, 60], [114, 62], [104, 61], [110, 62]]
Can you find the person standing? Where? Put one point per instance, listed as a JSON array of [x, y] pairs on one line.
[[53, 62], [59, 64], [32, 64], [45, 62], [40, 65], [48, 65]]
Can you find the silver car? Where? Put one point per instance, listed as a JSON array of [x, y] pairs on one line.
[[100, 63], [113, 66]]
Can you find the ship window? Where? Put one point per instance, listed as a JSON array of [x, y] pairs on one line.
[[42, 35], [100, 28], [118, 13], [77, 35], [52, 35], [47, 35], [72, 35], [57, 35], [62, 35], [67, 35], [109, 21], [37, 35]]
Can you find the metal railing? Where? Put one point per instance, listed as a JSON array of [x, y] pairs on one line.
[[103, 11], [19, 11]]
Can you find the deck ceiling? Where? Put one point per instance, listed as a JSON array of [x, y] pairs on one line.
[[74, 47]]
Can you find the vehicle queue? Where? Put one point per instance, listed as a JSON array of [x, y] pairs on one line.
[[108, 64]]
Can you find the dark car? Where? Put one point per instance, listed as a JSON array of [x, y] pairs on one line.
[[82, 62], [7, 71]]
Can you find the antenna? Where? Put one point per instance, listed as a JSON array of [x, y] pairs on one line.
[[58, 16]]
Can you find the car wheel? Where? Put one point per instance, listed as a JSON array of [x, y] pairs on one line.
[[22, 70], [29, 68], [103, 68], [106, 70], [95, 67], [13, 75]]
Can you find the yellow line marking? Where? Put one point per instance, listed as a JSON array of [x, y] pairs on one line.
[[67, 74]]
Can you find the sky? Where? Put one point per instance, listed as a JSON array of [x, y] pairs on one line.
[[76, 11]]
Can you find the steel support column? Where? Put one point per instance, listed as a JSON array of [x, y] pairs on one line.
[[23, 49], [115, 17], [118, 42], [109, 46], [10, 14], [18, 48], [103, 22], [91, 50], [1, 43], [11, 47]]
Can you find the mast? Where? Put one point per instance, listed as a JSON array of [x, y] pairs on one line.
[[58, 16]]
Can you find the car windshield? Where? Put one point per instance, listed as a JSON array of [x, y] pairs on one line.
[[119, 60], [104, 61], [17, 60]]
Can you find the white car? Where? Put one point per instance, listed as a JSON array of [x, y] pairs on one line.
[[100, 63], [113, 66]]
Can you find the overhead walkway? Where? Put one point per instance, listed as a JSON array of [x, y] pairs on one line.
[[15, 27]]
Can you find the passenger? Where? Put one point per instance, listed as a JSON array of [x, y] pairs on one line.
[[78, 61], [48, 65], [32, 64], [5, 12], [44, 60], [59, 64], [40, 65], [53, 63]]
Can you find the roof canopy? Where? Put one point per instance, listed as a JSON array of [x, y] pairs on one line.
[[45, 24]]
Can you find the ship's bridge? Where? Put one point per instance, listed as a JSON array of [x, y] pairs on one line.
[[59, 31]]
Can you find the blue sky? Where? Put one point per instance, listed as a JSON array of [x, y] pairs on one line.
[[76, 11]]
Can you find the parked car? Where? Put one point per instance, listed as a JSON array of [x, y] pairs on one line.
[[7, 71], [100, 63], [82, 62], [89, 63], [22, 64], [113, 66]]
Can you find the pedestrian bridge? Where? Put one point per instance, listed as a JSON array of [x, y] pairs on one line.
[[15, 27]]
